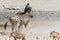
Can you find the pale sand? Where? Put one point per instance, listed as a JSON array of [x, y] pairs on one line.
[[37, 23], [39, 29]]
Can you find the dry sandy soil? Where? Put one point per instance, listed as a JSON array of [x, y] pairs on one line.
[[38, 29]]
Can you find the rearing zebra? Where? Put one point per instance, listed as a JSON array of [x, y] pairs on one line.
[[21, 18]]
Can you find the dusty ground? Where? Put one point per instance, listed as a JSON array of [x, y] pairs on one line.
[[38, 29]]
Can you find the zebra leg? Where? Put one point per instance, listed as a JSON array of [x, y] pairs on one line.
[[14, 38], [27, 24], [20, 24], [53, 38], [23, 38], [12, 28], [15, 27], [28, 27], [5, 25], [58, 38]]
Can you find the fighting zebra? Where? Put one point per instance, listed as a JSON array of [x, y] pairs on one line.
[[20, 19]]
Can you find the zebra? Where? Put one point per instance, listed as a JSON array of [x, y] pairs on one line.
[[20, 19]]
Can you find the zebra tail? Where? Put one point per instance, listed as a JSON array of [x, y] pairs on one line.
[[5, 25]]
